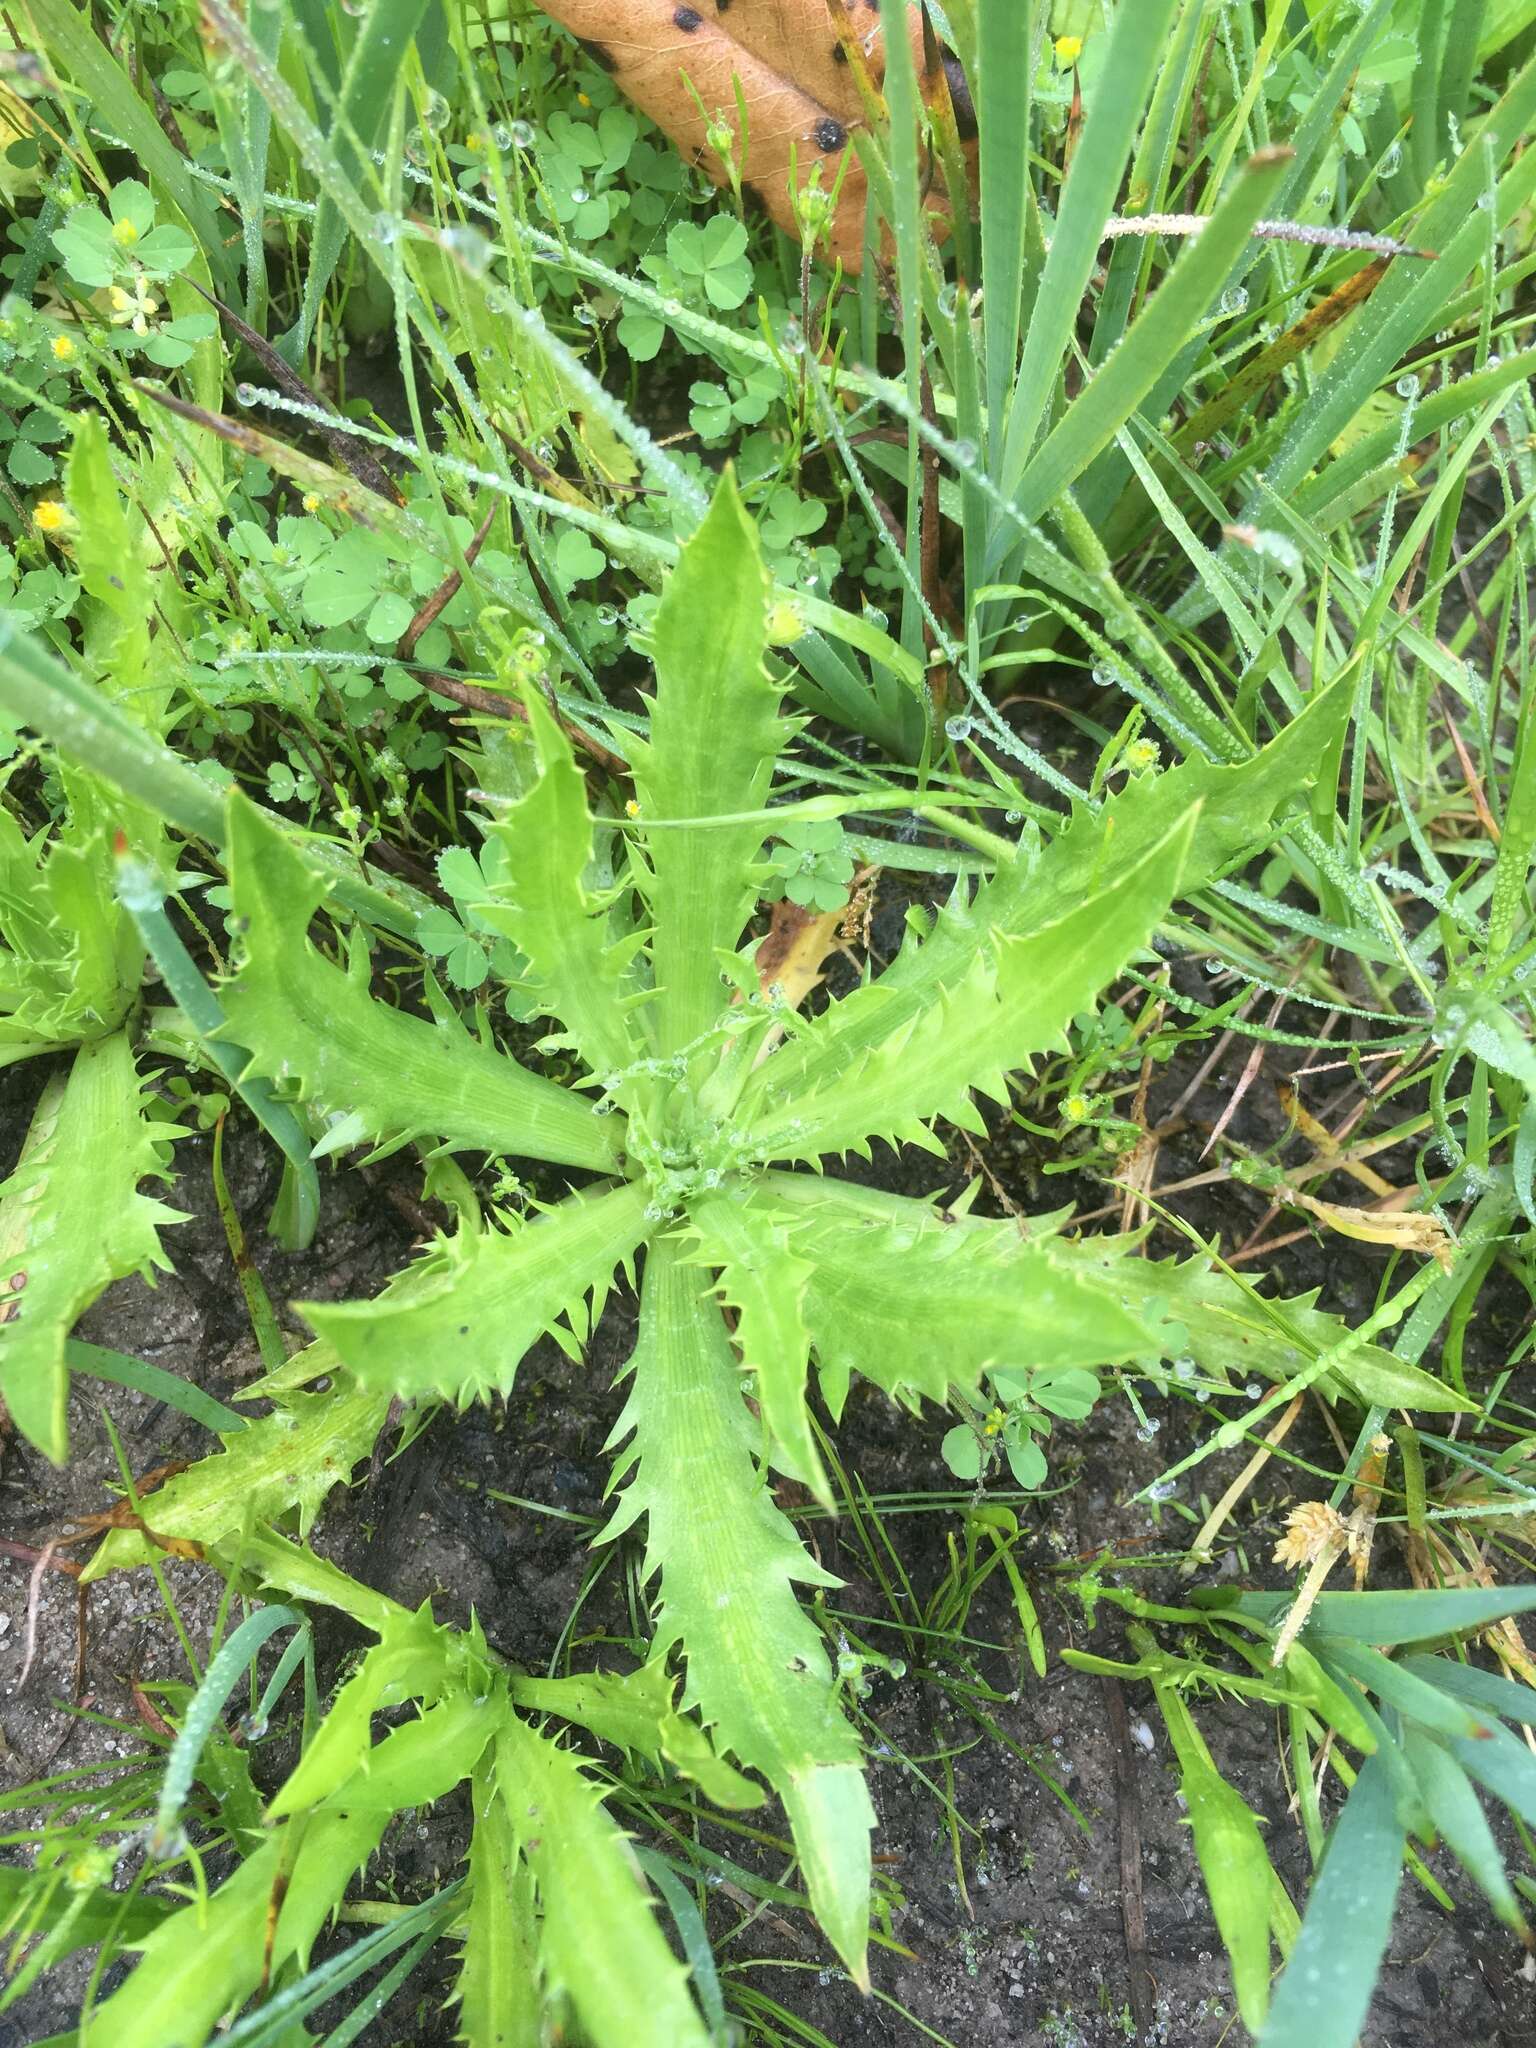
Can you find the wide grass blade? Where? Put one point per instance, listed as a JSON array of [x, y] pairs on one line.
[[1137, 39], [1420, 1617], [154, 1382], [374, 64], [1322, 2000], [1090, 422]]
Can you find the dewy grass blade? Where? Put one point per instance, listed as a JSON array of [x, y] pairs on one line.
[[1408, 303], [1321, 2000], [217, 1683], [37, 690], [1006, 32], [1390, 1618], [901, 95], [1136, 45], [380, 51], [1091, 420], [286, 2009]]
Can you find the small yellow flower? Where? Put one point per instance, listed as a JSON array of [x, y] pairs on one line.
[[631, 809], [125, 234], [475, 142], [1077, 1109], [133, 309], [584, 99], [1142, 754], [64, 350], [310, 502], [993, 1426], [1068, 49], [49, 516]]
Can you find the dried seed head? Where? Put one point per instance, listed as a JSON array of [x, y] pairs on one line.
[[1311, 1531]]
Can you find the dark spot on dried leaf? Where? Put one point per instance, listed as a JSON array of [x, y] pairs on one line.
[[960, 99]]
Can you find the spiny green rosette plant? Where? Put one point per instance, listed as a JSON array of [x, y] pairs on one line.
[[687, 1108]]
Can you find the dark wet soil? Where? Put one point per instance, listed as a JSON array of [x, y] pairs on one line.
[[1064, 1933]]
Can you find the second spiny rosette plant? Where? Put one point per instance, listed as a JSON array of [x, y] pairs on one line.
[[703, 1122]]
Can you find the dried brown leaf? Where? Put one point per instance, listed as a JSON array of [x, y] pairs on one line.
[[795, 60]]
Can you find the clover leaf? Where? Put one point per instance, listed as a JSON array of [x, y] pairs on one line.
[[712, 259], [577, 559], [811, 866], [125, 242]]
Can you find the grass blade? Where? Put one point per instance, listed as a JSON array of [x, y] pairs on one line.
[[98, 1363], [1322, 1999], [1136, 44], [1093, 418]]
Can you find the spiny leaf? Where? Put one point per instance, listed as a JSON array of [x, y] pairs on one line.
[[281, 1463], [420, 1762], [498, 1987], [303, 1019], [413, 1765], [544, 909], [71, 1221], [1233, 1330], [1234, 808], [628, 1989], [765, 1283], [195, 1965], [70, 965], [715, 732], [285, 1461], [728, 1561], [485, 1297], [635, 1712], [1018, 995], [411, 1660], [110, 559], [921, 1303]]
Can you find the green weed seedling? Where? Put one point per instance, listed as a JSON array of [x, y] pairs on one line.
[[701, 1097]]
